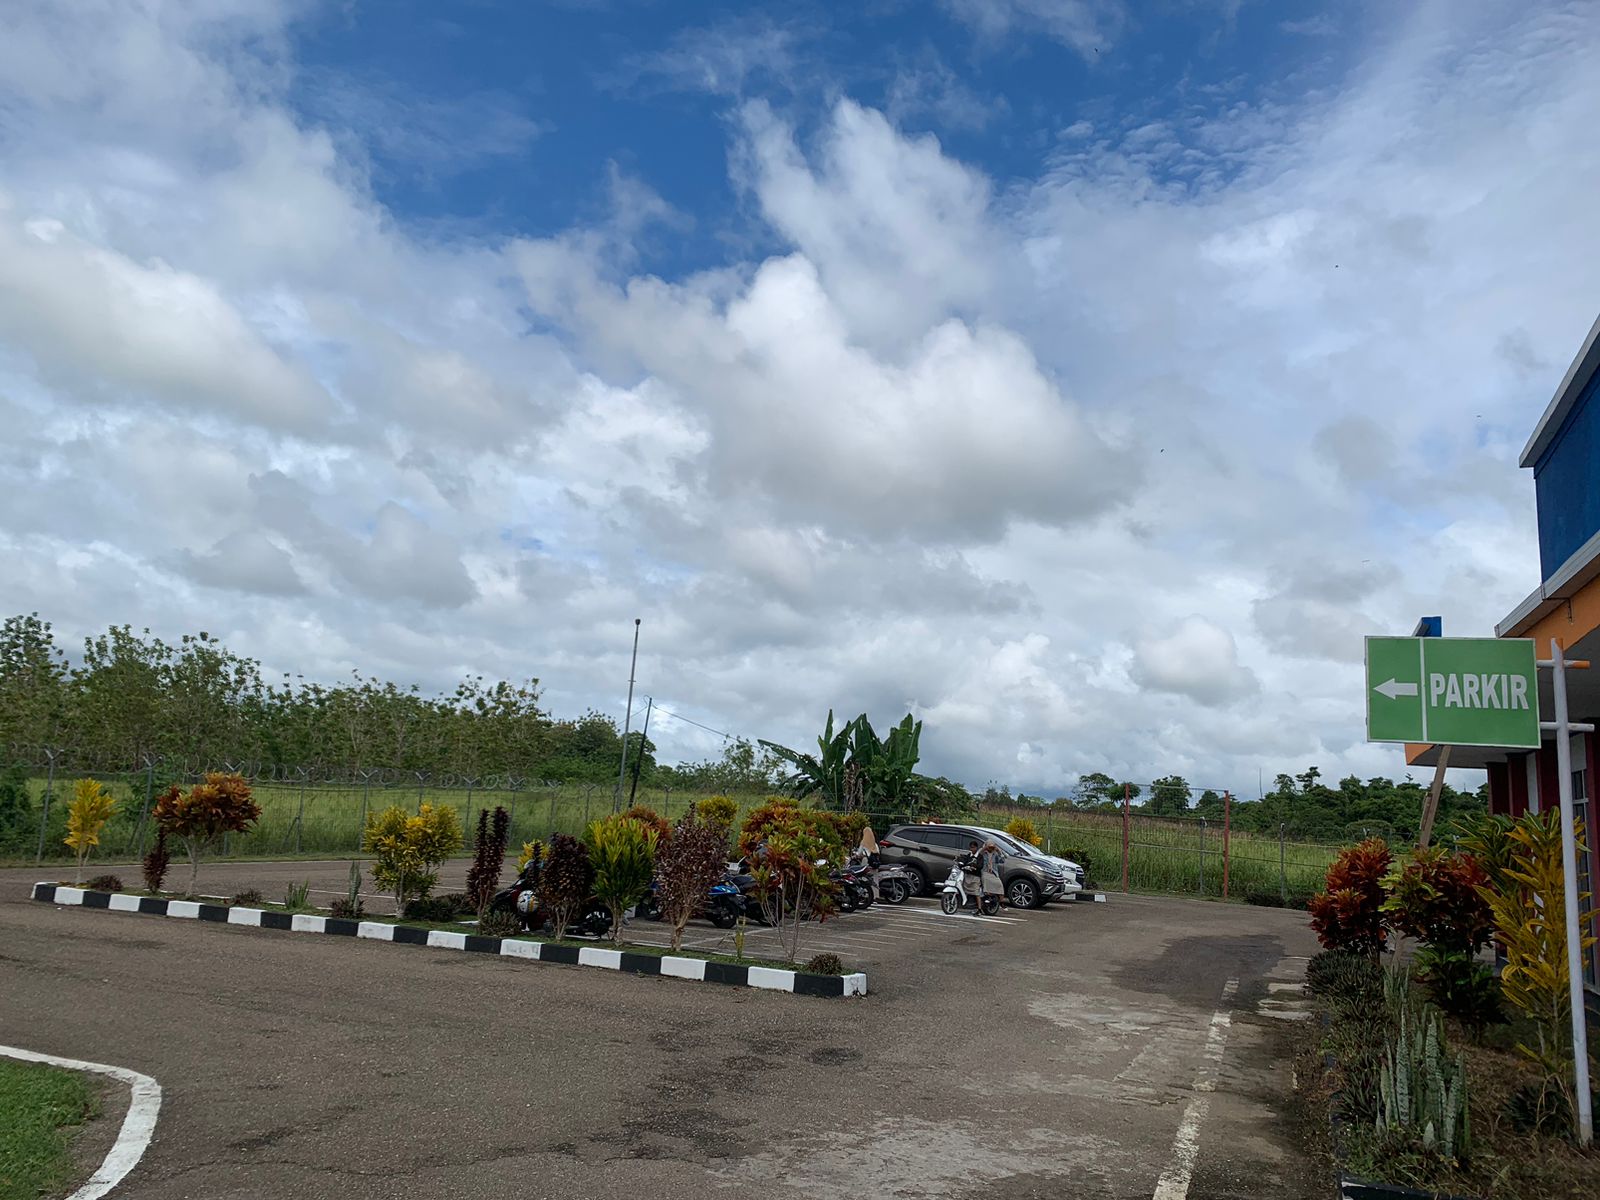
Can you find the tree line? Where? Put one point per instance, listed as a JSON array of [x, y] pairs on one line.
[[1301, 805], [131, 697]]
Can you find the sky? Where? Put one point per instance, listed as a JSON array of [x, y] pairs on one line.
[[1085, 377]]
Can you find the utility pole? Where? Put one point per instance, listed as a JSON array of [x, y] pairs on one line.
[[644, 741], [627, 717]]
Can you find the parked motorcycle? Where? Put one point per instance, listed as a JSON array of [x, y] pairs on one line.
[[955, 895], [744, 883], [592, 919], [895, 884], [724, 905]]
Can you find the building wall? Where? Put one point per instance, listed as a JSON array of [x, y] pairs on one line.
[[1567, 480]]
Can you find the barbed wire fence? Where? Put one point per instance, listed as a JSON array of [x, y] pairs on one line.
[[323, 810]]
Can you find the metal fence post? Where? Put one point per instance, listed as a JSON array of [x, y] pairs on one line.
[[44, 813], [1227, 839], [300, 816], [149, 794], [1049, 824], [1283, 877], [361, 828], [1202, 856], [1125, 802]]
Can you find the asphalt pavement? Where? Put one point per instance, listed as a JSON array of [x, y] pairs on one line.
[[1087, 1051]]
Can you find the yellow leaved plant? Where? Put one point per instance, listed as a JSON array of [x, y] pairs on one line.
[[1529, 906], [92, 806], [407, 849]]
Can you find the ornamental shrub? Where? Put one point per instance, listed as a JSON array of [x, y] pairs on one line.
[[622, 851], [1024, 830], [687, 865], [1348, 914], [156, 863], [650, 819], [200, 817], [1439, 898], [104, 883], [92, 806], [488, 853], [825, 964], [718, 810], [408, 849], [566, 880]]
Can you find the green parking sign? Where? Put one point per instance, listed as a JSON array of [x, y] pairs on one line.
[[1453, 691]]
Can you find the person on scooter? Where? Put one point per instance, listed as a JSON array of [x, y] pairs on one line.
[[987, 862]]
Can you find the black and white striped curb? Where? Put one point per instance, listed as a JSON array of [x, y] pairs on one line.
[[698, 969]]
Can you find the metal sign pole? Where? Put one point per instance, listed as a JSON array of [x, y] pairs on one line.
[[1569, 869]]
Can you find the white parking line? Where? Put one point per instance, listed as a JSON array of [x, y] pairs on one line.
[[137, 1127], [939, 915], [1174, 1181]]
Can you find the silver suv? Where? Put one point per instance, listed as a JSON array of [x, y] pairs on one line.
[[927, 852]]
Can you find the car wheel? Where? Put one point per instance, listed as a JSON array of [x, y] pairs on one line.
[[916, 881], [1022, 893]]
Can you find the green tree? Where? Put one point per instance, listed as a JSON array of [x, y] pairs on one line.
[[1169, 797], [33, 675]]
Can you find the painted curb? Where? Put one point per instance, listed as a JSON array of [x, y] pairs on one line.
[[138, 1126], [624, 962]]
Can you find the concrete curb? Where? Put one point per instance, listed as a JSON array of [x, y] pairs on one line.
[[698, 969]]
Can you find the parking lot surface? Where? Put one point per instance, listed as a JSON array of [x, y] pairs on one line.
[[1074, 1051]]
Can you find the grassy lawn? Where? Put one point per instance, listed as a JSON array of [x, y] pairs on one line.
[[39, 1106]]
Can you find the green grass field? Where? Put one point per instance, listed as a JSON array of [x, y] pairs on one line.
[[39, 1106], [1181, 856], [1178, 855]]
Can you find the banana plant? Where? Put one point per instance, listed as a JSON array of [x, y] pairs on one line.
[[822, 772], [884, 766]]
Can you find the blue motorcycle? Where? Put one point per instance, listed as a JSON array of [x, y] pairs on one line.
[[724, 905]]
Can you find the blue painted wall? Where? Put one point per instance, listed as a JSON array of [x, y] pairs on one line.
[[1567, 481]]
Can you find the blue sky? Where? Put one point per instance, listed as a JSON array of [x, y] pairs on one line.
[[513, 117], [1085, 377]]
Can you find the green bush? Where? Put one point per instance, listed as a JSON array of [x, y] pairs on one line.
[[497, 923], [1346, 978], [825, 964], [622, 851], [249, 898], [451, 906]]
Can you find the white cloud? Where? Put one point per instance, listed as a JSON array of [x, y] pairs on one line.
[[1197, 659], [1087, 26], [1104, 470]]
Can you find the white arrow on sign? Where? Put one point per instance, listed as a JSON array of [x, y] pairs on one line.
[[1394, 689]]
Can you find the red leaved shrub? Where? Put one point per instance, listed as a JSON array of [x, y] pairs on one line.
[[1349, 915], [1437, 898]]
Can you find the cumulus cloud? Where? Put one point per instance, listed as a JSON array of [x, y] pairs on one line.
[[1105, 469], [1197, 659]]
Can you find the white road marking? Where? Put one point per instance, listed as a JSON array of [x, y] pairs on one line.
[[1174, 1181], [137, 1127]]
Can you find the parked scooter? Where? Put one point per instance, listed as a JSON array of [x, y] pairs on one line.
[[894, 883], [955, 894]]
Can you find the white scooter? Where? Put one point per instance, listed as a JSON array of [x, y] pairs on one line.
[[955, 895]]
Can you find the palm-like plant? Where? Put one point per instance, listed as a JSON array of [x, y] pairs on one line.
[[822, 772]]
